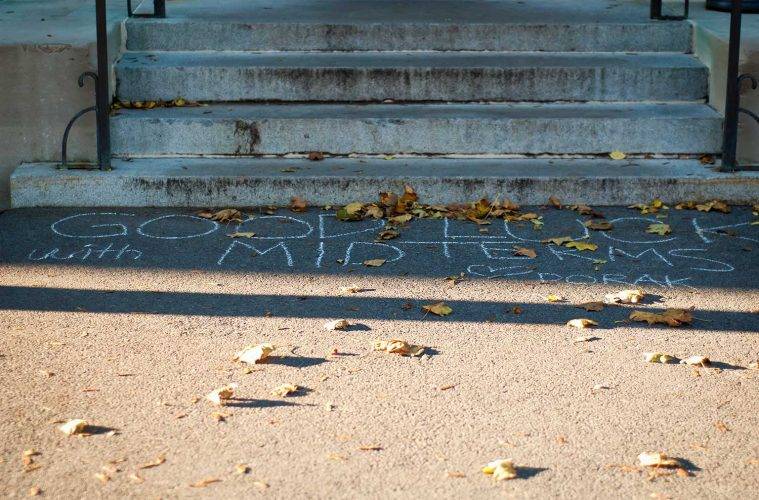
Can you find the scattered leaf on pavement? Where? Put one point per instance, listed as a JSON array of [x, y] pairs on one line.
[[438, 309], [554, 298], [501, 469], [338, 324], [221, 395], [659, 228], [225, 215], [243, 234], [582, 245], [160, 459], [254, 354], [625, 297], [284, 390], [557, 240], [298, 204], [205, 482], [658, 357], [671, 317], [350, 289], [696, 361], [73, 426], [316, 156], [581, 323], [370, 447], [599, 225], [591, 306], [525, 252], [397, 346], [374, 262], [657, 459]]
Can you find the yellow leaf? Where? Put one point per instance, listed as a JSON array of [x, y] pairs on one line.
[[243, 234], [599, 225], [439, 309], [558, 240], [285, 390], [254, 354], [501, 469], [554, 298], [374, 262], [374, 211], [205, 482], [397, 346], [224, 216], [581, 323], [657, 357], [659, 228], [617, 155], [582, 245], [526, 252]]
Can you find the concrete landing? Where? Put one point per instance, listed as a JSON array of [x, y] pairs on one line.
[[255, 182], [255, 129]]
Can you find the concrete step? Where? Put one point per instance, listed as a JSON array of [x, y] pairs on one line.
[[410, 76], [256, 129], [254, 182], [317, 33]]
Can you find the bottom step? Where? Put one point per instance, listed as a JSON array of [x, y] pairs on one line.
[[197, 182]]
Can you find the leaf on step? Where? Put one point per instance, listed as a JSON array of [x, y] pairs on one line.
[[400, 219], [525, 252], [670, 317], [397, 346], [438, 309], [501, 469], [316, 156], [350, 212], [581, 323], [254, 354], [225, 215], [717, 205], [298, 204], [582, 245], [624, 297], [617, 155], [659, 228], [374, 211]]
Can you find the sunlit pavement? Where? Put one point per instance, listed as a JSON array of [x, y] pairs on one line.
[[127, 318]]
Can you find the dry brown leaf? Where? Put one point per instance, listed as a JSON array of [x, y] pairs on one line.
[[205, 482], [525, 252], [222, 394], [581, 323], [102, 477], [254, 354], [397, 346], [657, 459], [285, 390], [591, 306], [599, 225], [242, 234], [374, 262], [316, 156], [659, 228], [670, 317], [718, 205], [585, 338], [721, 426], [73, 426], [438, 309], [557, 240], [35, 491], [554, 201], [298, 204], [223, 216], [455, 474], [696, 361], [160, 459], [501, 469], [338, 324], [516, 310], [625, 297], [582, 245], [400, 219]]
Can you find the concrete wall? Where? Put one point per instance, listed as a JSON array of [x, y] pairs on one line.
[[44, 47]]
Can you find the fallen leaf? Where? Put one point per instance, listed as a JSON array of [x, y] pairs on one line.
[[73, 426], [581, 323], [316, 156], [501, 469], [599, 225], [754, 365], [242, 469], [671, 317], [438, 309], [350, 212], [617, 155], [224, 215], [397, 346], [659, 228], [557, 240], [657, 459], [205, 482], [625, 297], [221, 395], [591, 306], [298, 204], [254, 354], [554, 298], [370, 447], [696, 361], [554, 201], [658, 357], [160, 459], [400, 219], [35, 491], [350, 289], [374, 262], [516, 310], [526, 252], [718, 205], [284, 390], [388, 234], [338, 324], [455, 474], [242, 235], [582, 245]]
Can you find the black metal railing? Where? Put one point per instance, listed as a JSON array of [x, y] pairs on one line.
[[656, 11], [102, 107]]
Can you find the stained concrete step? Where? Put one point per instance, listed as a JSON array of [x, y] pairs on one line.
[[457, 32], [255, 129], [410, 76], [252, 182]]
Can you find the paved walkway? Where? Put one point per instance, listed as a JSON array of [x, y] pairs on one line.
[[126, 317]]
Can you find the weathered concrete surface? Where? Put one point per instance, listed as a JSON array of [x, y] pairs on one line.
[[223, 129], [410, 76], [44, 47], [252, 182], [126, 330], [711, 37]]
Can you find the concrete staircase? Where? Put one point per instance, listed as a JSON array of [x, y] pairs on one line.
[[465, 101]]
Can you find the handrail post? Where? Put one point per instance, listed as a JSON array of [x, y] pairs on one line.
[[732, 93], [102, 89], [159, 8]]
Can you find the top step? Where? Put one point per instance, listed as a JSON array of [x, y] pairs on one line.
[[406, 25]]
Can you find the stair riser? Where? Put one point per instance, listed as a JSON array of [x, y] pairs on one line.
[[154, 137], [411, 84], [200, 35]]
